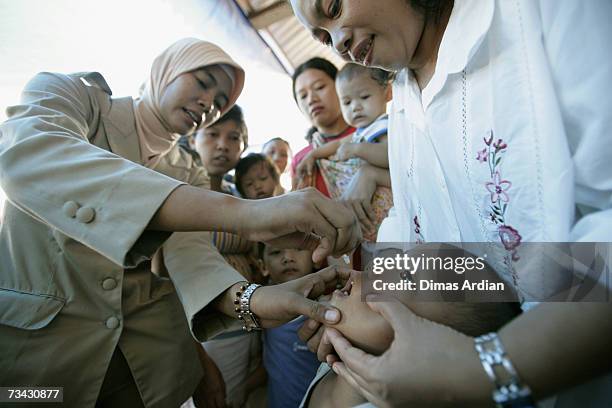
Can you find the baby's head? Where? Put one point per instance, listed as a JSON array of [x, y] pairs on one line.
[[363, 93], [256, 177], [368, 330], [283, 265]]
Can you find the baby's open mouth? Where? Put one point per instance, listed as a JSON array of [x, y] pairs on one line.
[[346, 289]]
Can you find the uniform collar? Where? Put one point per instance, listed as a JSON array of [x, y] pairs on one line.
[[122, 138]]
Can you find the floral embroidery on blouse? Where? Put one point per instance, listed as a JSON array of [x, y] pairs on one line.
[[498, 188]]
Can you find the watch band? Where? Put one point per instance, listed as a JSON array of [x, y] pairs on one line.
[[243, 307], [509, 391]]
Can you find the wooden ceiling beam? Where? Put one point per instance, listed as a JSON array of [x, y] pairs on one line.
[[269, 15]]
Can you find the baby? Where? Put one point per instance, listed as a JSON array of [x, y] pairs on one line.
[[257, 177], [369, 331], [363, 93]]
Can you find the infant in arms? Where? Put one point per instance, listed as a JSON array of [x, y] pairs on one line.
[[370, 332]]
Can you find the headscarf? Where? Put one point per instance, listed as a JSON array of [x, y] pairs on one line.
[[188, 54]]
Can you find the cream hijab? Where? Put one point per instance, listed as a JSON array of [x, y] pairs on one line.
[[188, 54]]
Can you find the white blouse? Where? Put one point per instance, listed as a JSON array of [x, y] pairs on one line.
[[507, 142], [510, 140]]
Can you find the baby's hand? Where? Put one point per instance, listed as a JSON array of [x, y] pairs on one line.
[[306, 166], [345, 151]]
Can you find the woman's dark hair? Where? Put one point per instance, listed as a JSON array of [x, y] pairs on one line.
[[245, 164], [352, 70], [430, 8], [314, 63], [235, 115]]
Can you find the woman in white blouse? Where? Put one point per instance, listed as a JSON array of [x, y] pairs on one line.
[[499, 105]]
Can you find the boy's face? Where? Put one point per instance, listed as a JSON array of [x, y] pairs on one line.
[[283, 265], [220, 147], [258, 182], [362, 99]]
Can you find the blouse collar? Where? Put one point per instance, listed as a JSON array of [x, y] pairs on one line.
[[469, 22]]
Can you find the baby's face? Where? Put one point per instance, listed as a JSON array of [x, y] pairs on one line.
[[258, 183], [362, 326], [284, 265], [362, 100], [367, 329]]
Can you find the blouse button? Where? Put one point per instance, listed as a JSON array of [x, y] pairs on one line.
[[109, 284], [85, 215], [112, 322], [70, 209]]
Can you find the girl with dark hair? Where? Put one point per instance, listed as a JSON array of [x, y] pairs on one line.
[[501, 111], [315, 93]]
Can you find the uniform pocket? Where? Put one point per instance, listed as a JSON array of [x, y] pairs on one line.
[[28, 311]]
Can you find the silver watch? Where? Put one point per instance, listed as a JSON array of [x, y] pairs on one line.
[[243, 307], [509, 391]]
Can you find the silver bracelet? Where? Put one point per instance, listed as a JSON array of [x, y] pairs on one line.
[[243, 307], [509, 389]]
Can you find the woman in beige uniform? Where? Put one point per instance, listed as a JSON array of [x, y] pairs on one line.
[[87, 208]]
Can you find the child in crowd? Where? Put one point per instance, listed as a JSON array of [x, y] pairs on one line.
[[257, 177], [290, 366], [239, 353], [219, 147], [233, 354], [279, 151], [369, 331], [363, 93]]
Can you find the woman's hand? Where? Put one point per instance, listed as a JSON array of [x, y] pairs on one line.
[[311, 332], [358, 196], [278, 304], [297, 220], [427, 364]]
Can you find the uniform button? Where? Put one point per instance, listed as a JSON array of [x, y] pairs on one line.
[[70, 209], [109, 284], [112, 322], [85, 215]]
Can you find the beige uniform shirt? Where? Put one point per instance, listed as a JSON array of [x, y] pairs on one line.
[[75, 278]]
